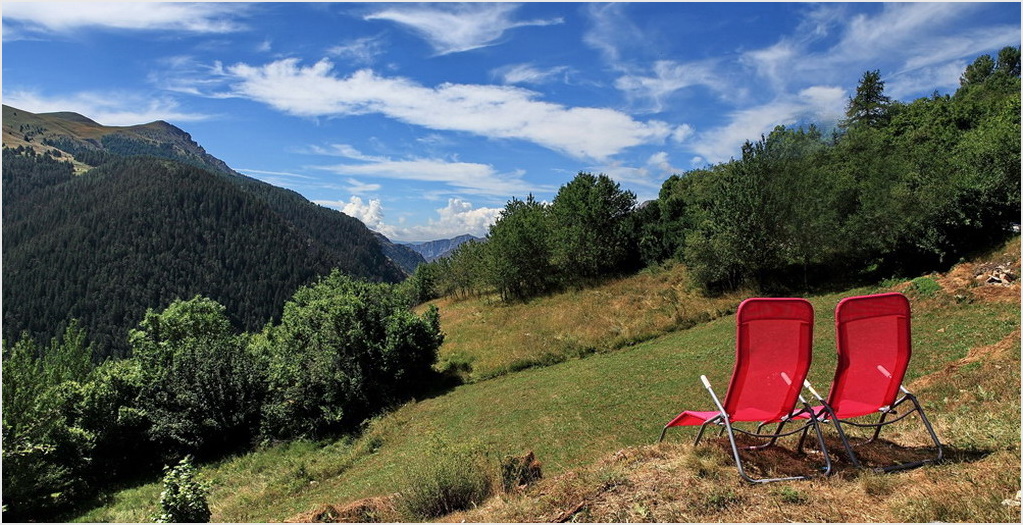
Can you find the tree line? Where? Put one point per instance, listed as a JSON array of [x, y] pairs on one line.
[[895, 190], [194, 386]]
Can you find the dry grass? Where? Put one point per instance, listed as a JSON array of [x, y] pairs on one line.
[[486, 338]]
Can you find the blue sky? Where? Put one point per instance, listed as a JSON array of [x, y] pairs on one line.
[[423, 120]]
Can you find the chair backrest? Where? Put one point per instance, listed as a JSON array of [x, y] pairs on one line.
[[773, 349], [872, 335]]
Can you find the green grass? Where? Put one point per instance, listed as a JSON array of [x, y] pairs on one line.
[[577, 410]]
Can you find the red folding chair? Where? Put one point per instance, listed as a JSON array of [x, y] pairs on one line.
[[873, 339], [772, 356]]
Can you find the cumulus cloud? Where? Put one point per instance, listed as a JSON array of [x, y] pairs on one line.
[[65, 17], [458, 217], [500, 112], [453, 28], [371, 213]]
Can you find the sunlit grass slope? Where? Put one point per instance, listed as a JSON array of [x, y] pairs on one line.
[[965, 368], [486, 337]]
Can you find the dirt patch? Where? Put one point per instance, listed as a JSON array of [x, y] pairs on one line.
[[369, 510], [995, 279], [985, 354]]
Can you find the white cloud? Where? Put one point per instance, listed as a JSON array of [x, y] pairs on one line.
[[362, 51], [913, 40], [667, 77], [454, 28], [611, 32], [528, 74], [817, 104], [107, 108], [458, 217], [67, 17], [682, 133], [356, 186], [371, 213], [503, 112], [465, 177]]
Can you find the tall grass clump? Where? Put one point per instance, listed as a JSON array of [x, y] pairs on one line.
[[446, 478]]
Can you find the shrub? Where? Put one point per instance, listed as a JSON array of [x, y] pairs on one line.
[[447, 479], [183, 499], [925, 286], [343, 350], [201, 388]]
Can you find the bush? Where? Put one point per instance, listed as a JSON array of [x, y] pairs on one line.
[[344, 349], [448, 479], [183, 499], [47, 454], [201, 389]]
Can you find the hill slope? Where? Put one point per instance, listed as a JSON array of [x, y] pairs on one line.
[[151, 217], [592, 423]]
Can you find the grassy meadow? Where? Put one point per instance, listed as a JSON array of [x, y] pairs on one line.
[[619, 361]]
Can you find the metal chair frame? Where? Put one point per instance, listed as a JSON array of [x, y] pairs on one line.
[[827, 415], [726, 424]]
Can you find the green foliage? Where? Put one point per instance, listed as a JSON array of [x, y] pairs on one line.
[[47, 453], [589, 231], [904, 189], [870, 105], [589, 236], [139, 232], [520, 250], [200, 387], [183, 499], [448, 478], [924, 287], [343, 350]]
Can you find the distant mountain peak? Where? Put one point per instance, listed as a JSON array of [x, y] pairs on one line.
[[433, 250]]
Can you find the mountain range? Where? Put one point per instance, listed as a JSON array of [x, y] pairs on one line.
[[102, 223], [433, 250]]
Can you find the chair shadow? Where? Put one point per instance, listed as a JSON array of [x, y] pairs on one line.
[[784, 460]]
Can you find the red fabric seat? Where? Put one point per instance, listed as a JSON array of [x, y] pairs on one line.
[[773, 350], [874, 344]]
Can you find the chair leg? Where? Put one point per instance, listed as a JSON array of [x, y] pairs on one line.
[[930, 430], [877, 427]]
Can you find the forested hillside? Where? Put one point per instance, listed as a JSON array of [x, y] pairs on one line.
[[149, 218]]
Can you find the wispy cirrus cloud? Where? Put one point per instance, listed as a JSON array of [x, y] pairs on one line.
[[453, 28], [361, 51], [24, 19], [814, 104], [463, 177], [110, 108], [529, 74], [498, 112], [667, 77]]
